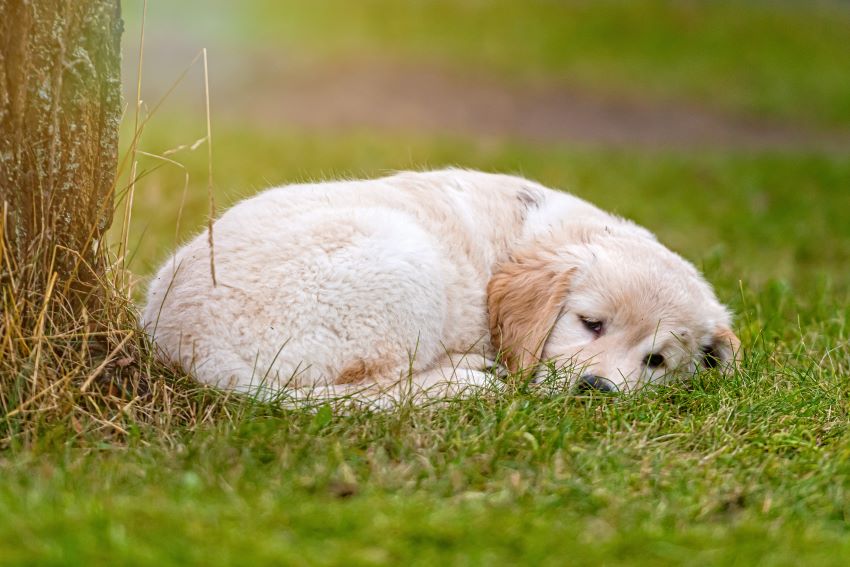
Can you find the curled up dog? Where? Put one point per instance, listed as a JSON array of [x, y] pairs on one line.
[[427, 285]]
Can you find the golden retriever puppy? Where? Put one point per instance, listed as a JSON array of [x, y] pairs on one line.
[[428, 284]]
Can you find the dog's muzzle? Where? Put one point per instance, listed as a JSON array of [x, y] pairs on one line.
[[591, 383]]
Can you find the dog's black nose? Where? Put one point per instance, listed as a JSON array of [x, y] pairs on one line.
[[597, 383]]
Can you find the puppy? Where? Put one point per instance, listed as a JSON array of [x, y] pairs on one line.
[[422, 284]]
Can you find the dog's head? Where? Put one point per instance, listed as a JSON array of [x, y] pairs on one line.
[[609, 306]]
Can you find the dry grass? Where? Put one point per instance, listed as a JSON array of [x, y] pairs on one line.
[[82, 368], [74, 363]]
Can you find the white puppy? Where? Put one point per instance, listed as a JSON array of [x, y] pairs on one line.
[[425, 281]]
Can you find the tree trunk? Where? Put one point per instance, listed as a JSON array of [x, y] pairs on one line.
[[60, 108]]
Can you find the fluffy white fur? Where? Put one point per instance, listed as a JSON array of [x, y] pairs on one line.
[[421, 282]]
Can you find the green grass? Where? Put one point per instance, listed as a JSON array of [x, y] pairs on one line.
[[752, 468]]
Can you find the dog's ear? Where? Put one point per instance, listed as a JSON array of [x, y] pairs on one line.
[[524, 299], [723, 351]]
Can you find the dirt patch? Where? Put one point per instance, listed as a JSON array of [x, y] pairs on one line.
[[266, 89]]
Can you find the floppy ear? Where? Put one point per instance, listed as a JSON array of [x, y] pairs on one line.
[[724, 350], [524, 298]]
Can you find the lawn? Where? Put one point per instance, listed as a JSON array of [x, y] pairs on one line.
[[748, 468]]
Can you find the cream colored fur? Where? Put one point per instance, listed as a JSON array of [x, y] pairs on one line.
[[418, 283]]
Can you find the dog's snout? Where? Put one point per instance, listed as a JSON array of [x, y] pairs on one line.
[[597, 383]]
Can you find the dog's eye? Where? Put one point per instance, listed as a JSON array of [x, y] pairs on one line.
[[592, 325], [654, 360], [709, 357]]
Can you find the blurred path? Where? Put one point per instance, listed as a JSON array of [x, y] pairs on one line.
[[266, 90]]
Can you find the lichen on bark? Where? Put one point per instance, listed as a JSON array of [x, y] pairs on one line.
[[60, 107]]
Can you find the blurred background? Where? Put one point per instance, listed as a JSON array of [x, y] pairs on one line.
[[722, 126]]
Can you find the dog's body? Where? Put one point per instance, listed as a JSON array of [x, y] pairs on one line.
[[428, 276]]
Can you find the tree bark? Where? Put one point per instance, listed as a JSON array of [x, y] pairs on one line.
[[60, 108]]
